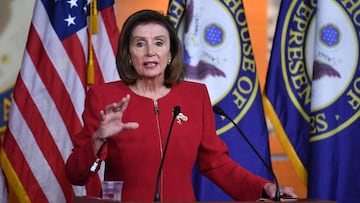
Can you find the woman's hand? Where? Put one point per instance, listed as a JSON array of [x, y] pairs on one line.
[[285, 191], [111, 122]]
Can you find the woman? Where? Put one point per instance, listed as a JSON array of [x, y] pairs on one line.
[[127, 122]]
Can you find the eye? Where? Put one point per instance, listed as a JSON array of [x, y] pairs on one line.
[[139, 44], [159, 43]]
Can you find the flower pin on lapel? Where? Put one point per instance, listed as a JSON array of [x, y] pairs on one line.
[[181, 117]]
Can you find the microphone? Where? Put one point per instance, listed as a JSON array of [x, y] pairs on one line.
[[220, 112], [176, 111]]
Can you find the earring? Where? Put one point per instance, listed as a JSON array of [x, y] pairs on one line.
[[130, 62], [169, 61]]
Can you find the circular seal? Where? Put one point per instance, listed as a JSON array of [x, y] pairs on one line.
[[215, 49], [320, 65]]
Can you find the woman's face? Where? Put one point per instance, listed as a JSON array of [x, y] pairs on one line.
[[150, 50]]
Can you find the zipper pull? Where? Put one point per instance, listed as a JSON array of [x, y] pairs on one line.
[[94, 165], [156, 107]]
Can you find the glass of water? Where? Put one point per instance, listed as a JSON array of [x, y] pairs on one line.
[[111, 190]]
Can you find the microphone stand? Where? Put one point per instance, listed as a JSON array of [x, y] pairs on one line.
[[219, 111], [176, 111]]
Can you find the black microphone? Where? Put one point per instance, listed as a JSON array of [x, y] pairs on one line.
[[220, 112], [176, 111]]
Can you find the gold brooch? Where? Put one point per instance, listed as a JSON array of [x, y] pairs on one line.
[[181, 117]]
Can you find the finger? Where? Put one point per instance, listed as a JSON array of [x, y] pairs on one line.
[[125, 101], [109, 108], [288, 192], [102, 115], [122, 105], [131, 125]]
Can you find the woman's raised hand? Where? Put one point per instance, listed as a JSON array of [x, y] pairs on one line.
[[111, 122]]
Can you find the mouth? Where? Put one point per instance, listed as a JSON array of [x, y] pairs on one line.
[[150, 64]]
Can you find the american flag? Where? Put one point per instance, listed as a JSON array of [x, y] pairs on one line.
[[49, 95]]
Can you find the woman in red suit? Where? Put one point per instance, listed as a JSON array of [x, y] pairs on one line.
[[127, 122]]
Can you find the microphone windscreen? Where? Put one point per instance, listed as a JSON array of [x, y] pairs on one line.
[[176, 110], [218, 110]]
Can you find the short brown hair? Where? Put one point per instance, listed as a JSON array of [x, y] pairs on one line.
[[174, 72]]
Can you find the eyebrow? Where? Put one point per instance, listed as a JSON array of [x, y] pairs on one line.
[[142, 37]]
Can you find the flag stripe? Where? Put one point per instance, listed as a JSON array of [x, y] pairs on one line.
[[111, 29], [15, 170], [29, 144], [40, 131], [61, 60], [54, 142], [77, 57], [51, 81], [43, 104], [49, 98], [105, 51]]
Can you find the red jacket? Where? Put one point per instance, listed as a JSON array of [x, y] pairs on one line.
[[134, 155]]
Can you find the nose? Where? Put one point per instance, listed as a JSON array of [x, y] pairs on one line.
[[150, 51]]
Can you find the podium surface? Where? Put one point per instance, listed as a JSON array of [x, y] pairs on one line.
[[84, 199]]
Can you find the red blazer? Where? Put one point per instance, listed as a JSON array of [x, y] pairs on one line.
[[134, 155]]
